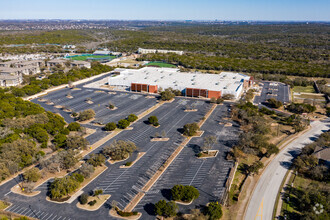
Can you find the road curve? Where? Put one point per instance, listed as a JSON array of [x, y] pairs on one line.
[[263, 198]]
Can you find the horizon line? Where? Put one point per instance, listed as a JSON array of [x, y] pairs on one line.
[[170, 20]]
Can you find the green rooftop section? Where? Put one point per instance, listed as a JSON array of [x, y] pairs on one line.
[[161, 64], [84, 57]]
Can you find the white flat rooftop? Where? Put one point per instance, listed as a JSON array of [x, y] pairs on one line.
[[227, 82]]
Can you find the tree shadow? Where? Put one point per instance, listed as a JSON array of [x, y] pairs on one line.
[[195, 147], [181, 130], [166, 193], [285, 164], [150, 209]]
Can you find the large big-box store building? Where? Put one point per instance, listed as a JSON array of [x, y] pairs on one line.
[[191, 84]]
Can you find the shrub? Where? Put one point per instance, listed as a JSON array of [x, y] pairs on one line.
[[184, 193], [86, 115], [132, 118], [91, 203], [214, 211], [190, 129], [128, 163], [110, 126], [83, 199], [74, 126], [153, 120], [219, 100], [213, 100], [74, 114], [123, 123], [98, 192], [166, 209], [167, 95], [125, 214], [79, 177]]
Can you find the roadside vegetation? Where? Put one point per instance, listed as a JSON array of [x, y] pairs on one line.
[[307, 194], [261, 129]]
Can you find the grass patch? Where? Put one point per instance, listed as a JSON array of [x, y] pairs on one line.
[[307, 89], [161, 64]]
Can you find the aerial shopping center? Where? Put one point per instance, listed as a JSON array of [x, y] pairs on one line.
[[191, 84]]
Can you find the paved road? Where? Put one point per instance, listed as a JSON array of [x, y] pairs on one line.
[[262, 202]]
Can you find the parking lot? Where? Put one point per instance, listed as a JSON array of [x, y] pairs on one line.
[[277, 90], [208, 175]]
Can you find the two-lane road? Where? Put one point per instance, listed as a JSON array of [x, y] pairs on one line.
[[263, 198]]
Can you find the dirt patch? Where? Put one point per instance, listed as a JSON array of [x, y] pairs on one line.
[[208, 154], [58, 106], [89, 102], [42, 100], [100, 200], [69, 96]]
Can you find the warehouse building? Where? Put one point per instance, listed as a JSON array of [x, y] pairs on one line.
[[152, 80]]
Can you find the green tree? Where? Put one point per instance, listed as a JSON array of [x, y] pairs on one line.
[[153, 120], [86, 115], [62, 187], [190, 129], [123, 123], [36, 131], [83, 199], [96, 160], [167, 95], [110, 126], [119, 150], [76, 142], [32, 175], [74, 126], [132, 118], [166, 209], [214, 210], [255, 167]]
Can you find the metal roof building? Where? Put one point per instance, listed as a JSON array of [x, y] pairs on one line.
[[151, 79]]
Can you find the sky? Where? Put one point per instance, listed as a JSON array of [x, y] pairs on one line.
[[265, 10]]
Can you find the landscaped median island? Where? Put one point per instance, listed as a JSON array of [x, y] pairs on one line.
[[62, 189], [119, 151], [92, 202], [131, 163], [206, 151]]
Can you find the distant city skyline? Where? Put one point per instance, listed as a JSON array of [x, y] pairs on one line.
[[252, 10]]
